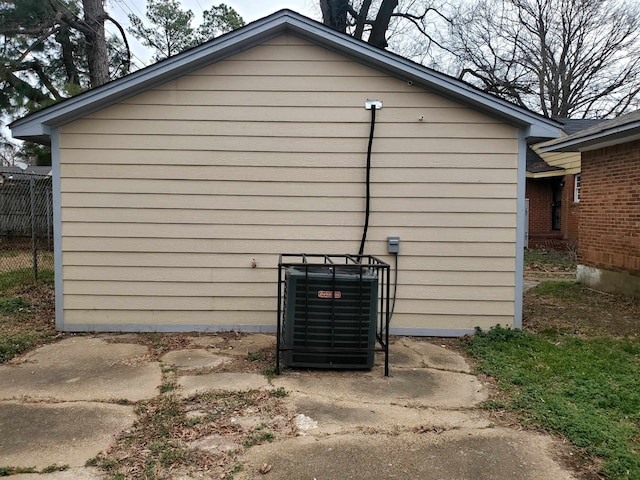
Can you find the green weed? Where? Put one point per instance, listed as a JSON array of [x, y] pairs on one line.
[[270, 372], [6, 471], [585, 389], [258, 438], [12, 305], [237, 468], [167, 387], [560, 289], [55, 468], [255, 357], [278, 392]]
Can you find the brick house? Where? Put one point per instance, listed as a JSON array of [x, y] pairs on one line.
[[609, 230], [553, 192]]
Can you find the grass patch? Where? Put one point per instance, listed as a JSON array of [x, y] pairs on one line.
[[23, 277], [278, 392], [561, 289], [26, 319], [12, 305], [549, 259], [17, 344], [258, 438], [55, 468], [6, 471], [256, 356], [585, 389]]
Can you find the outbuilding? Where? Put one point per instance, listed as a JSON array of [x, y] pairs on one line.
[[177, 186]]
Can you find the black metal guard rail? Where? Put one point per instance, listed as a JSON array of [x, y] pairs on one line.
[[362, 262]]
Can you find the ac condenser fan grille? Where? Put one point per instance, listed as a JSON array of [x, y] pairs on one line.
[[330, 319]]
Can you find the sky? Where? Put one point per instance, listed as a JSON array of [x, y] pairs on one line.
[[249, 10]]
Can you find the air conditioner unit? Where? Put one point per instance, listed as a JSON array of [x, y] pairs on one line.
[[330, 316]]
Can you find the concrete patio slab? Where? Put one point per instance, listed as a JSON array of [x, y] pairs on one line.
[[82, 368], [242, 346], [193, 359], [410, 352], [81, 473], [405, 386], [487, 454], [339, 416], [228, 382], [419, 423], [42, 434]]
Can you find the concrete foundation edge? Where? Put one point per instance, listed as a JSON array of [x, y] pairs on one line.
[[142, 328], [609, 281]]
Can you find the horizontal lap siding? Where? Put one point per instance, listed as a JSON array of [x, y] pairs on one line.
[[170, 196]]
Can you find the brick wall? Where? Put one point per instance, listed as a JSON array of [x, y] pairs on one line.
[[609, 232], [570, 211], [540, 196]]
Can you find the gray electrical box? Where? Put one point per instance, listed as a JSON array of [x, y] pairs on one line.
[[393, 244]]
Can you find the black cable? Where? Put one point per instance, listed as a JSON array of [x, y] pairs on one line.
[[368, 201]]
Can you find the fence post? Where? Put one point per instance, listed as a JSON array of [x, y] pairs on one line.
[[49, 199], [32, 187]]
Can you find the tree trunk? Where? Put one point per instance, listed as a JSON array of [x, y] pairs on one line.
[[334, 14], [71, 70], [97, 56], [378, 36]]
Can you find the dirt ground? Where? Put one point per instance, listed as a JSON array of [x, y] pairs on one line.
[[577, 310], [37, 318], [591, 313]]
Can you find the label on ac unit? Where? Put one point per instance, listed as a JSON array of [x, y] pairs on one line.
[[329, 294]]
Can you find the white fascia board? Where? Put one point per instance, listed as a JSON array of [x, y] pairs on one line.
[[35, 125], [606, 138]]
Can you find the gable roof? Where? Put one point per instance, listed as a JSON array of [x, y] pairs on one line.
[[37, 126], [623, 129]]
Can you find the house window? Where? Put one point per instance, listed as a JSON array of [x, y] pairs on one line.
[[576, 188]]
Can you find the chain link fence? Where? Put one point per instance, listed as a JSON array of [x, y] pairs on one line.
[[26, 228]]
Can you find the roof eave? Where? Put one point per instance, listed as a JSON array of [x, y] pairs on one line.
[[36, 126], [606, 138]]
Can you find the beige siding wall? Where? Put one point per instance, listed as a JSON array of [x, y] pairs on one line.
[[168, 197]]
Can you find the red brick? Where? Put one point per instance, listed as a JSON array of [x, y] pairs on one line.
[[610, 208]]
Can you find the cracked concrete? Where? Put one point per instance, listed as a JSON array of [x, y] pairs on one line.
[[59, 406], [82, 369]]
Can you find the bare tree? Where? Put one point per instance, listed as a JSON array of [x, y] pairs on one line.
[[560, 57], [375, 21]]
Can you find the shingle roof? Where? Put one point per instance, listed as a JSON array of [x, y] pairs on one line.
[[37, 126], [574, 125], [30, 170], [622, 129]]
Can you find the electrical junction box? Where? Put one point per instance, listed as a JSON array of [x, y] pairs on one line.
[[393, 244], [330, 316], [368, 104]]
